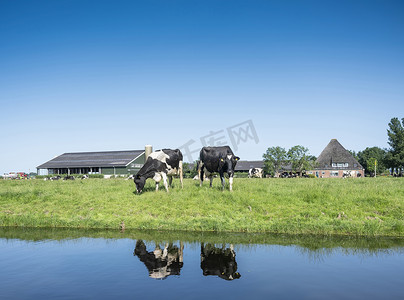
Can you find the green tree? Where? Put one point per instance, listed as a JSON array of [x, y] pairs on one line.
[[190, 169], [194, 169], [300, 159], [274, 158], [372, 165], [367, 159], [354, 154], [395, 134]]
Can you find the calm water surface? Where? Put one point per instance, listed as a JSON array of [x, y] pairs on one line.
[[41, 264]]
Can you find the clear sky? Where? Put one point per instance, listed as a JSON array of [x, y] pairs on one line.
[[79, 76]]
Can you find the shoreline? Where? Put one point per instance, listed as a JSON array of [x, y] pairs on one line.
[[349, 207]]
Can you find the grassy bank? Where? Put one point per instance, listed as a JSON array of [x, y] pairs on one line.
[[361, 206]]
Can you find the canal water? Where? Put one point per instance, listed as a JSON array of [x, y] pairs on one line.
[[75, 264]]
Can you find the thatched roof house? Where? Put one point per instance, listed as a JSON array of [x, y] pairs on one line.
[[336, 161]]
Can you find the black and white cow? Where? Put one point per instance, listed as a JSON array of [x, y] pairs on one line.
[[159, 165], [255, 172], [219, 261], [161, 263], [217, 160], [348, 174]]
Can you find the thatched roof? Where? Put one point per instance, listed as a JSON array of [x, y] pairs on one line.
[[335, 156]]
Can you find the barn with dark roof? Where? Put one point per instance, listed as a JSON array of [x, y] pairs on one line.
[[335, 161], [246, 165], [107, 163]]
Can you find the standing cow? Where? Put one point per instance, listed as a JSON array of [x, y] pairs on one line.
[[159, 165], [217, 160]]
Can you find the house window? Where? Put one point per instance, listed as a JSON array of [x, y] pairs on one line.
[[340, 165]]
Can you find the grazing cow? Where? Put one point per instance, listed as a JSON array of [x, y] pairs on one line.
[[159, 165], [255, 172], [288, 175], [217, 160], [219, 261], [55, 178], [69, 178], [347, 174], [161, 263]]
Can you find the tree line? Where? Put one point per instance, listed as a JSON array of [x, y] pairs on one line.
[[378, 160], [296, 158], [373, 159]]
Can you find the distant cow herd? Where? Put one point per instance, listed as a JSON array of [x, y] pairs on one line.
[[68, 177]]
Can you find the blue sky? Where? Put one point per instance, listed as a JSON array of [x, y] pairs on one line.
[[81, 76]]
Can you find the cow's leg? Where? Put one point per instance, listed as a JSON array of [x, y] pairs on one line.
[[181, 254], [164, 175], [157, 179], [211, 181], [200, 173], [231, 183], [222, 179], [165, 251], [170, 181], [181, 174]]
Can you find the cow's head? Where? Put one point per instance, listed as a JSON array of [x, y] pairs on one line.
[[228, 163], [140, 182]]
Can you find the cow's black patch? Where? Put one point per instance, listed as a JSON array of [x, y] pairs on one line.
[[175, 156]]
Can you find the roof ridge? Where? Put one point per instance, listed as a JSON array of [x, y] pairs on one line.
[[113, 151]]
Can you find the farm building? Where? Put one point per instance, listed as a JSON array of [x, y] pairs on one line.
[[246, 165], [336, 161], [107, 163]]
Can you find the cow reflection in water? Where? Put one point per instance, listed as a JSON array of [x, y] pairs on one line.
[[219, 261], [161, 262]]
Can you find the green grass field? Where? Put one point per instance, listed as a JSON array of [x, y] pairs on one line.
[[360, 206]]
